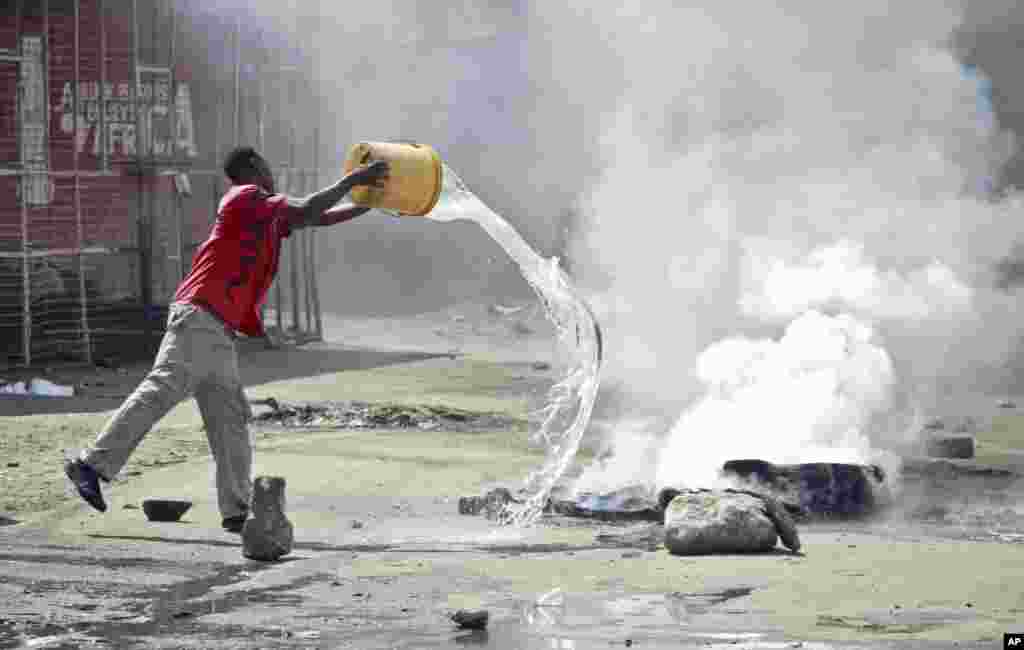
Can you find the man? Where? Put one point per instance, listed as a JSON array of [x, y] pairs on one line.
[[221, 296]]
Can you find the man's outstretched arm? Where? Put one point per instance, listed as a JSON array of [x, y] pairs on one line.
[[316, 209], [340, 214]]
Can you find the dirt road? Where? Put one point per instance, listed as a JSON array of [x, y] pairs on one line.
[[382, 557]]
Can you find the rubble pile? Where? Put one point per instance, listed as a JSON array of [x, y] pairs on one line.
[[364, 415], [688, 522], [760, 509]]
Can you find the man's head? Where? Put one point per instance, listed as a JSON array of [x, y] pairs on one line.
[[244, 166]]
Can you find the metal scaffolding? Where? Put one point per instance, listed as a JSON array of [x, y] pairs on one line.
[[98, 238]]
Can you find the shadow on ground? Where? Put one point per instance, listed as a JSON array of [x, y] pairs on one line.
[[99, 389]]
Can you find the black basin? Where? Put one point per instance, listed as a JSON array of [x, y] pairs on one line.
[[165, 509]]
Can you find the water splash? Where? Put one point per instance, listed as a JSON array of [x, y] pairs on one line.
[[570, 402]]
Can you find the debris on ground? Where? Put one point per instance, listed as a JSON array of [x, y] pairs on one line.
[[957, 445], [267, 535], [471, 620], [364, 415], [638, 503], [36, 387], [491, 504], [501, 310], [806, 491]]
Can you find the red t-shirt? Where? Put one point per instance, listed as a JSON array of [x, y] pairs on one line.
[[234, 268]]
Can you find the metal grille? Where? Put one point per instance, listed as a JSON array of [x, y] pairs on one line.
[[114, 116]]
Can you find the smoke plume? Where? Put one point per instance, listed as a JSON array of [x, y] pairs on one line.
[[789, 216], [795, 228]]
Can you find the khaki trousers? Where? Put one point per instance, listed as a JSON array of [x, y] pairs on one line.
[[197, 357]]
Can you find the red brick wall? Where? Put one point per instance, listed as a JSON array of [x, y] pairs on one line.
[[109, 204]]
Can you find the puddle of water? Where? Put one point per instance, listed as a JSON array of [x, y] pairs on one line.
[[586, 621]]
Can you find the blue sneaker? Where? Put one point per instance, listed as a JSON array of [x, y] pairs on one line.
[[87, 482]]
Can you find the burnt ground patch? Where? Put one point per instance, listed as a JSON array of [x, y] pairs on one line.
[[364, 415]]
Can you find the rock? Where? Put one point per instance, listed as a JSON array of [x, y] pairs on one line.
[[468, 620], [541, 366], [785, 526], [950, 446], [702, 522], [267, 534]]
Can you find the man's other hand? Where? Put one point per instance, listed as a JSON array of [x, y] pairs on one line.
[[375, 174]]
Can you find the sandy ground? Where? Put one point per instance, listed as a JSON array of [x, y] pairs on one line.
[[382, 556]]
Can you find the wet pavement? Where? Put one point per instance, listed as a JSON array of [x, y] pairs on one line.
[[382, 558], [186, 585]]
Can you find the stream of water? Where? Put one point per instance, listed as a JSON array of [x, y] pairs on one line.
[[570, 402]]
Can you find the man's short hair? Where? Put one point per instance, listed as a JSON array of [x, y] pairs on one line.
[[240, 162]]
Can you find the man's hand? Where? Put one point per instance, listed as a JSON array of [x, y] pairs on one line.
[[313, 210], [375, 174]]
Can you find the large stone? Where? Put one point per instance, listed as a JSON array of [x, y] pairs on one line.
[[267, 534], [702, 522], [815, 490]]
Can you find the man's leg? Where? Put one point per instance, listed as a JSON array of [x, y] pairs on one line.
[[225, 411], [169, 382]]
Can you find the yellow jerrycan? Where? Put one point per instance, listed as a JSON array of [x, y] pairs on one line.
[[415, 180]]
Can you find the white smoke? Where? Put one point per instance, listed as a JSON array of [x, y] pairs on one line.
[[776, 195], [775, 289], [818, 168], [809, 396]]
